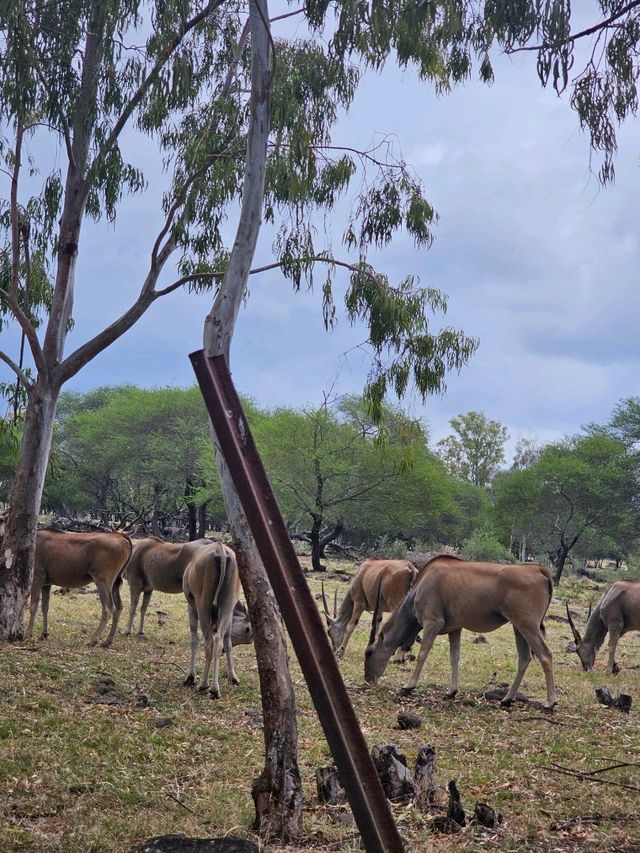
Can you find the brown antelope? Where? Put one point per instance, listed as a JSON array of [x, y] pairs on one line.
[[453, 594], [394, 578], [74, 560], [158, 565], [617, 612], [211, 585]]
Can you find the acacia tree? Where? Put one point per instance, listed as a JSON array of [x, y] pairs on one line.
[[327, 465], [130, 453], [475, 449], [585, 486]]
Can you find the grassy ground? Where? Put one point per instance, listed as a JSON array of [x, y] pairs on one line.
[[79, 774]]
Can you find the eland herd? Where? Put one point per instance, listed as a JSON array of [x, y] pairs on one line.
[[448, 594]]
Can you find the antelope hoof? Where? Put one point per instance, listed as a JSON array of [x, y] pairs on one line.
[[202, 688], [141, 636], [126, 632], [450, 694], [106, 644], [506, 703], [407, 690], [92, 643], [234, 680], [189, 681], [214, 694], [615, 669]]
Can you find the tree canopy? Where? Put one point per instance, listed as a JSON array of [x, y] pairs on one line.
[[475, 449]]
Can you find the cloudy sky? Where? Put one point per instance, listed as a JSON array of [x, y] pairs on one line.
[[537, 260]]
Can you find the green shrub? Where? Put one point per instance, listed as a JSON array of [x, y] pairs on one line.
[[391, 550], [484, 545]]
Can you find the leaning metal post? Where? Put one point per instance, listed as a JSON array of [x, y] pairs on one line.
[[317, 661]]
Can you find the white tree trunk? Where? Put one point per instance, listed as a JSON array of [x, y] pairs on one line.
[[18, 546], [277, 792]]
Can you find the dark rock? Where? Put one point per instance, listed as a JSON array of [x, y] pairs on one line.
[[407, 720], [162, 722], [486, 815], [621, 702], [142, 701], [183, 844]]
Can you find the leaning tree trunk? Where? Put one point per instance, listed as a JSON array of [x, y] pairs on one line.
[[278, 791], [559, 558], [329, 537], [18, 548]]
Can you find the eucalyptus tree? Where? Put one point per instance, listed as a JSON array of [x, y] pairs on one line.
[[197, 81]]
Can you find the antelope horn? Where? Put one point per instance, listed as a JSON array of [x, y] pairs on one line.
[[574, 630], [325, 605], [335, 603], [589, 613], [374, 623]]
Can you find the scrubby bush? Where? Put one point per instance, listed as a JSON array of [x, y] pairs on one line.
[[484, 545]]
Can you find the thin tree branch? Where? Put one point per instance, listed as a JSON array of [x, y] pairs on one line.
[[288, 14], [588, 32], [242, 43], [30, 332], [15, 222], [81, 356], [587, 777], [164, 57], [18, 372]]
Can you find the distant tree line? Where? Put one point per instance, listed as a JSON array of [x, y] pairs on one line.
[[143, 457]]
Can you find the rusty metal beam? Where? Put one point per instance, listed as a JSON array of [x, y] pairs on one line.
[[317, 661]]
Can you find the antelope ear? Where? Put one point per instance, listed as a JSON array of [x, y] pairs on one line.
[[574, 630]]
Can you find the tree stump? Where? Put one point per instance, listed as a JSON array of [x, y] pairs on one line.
[[329, 786], [393, 772], [424, 778], [455, 817]]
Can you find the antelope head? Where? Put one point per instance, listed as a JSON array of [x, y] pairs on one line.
[[334, 630], [585, 651], [375, 657]]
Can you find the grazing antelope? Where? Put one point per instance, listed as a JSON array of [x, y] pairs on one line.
[[211, 585], [453, 594], [617, 612], [74, 560], [158, 565], [394, 578]]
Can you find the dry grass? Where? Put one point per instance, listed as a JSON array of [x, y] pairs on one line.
[[78, 776]]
